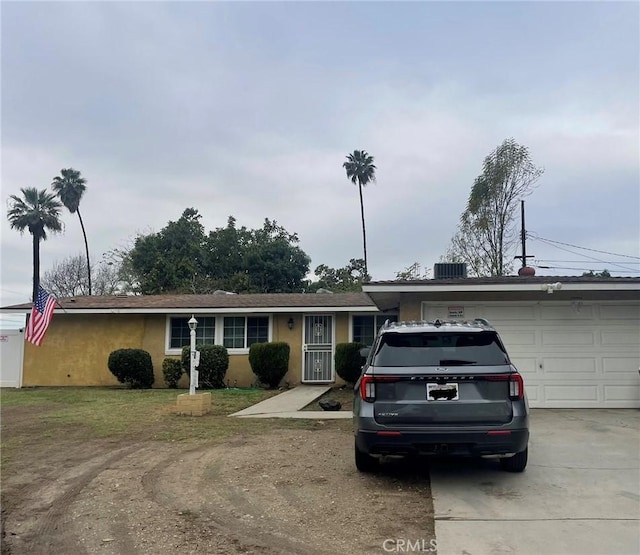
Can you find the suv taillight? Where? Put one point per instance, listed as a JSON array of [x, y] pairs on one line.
[[516, 386], [368, 386]]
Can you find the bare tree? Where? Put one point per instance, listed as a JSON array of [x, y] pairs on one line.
[[486, 233], [412, 273], [69, 278]]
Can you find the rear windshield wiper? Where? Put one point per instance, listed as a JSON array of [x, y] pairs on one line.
[[456, 362]]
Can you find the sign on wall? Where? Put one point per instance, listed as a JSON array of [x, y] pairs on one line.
[[455, 311]]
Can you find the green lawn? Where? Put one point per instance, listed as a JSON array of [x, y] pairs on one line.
[[50, 414]]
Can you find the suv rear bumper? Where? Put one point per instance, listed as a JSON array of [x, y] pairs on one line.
[[463, 443]]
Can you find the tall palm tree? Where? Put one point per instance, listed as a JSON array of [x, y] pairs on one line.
[[70, 186], [361, 171], [39, 212]]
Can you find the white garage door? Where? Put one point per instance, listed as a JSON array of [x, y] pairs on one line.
[[571, 354]]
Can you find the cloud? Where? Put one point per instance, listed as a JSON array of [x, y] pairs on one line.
[[250, 109]]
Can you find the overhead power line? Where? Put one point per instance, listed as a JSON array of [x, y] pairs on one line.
[[580, 261], [532, 236], [556, 243], [582, 269]]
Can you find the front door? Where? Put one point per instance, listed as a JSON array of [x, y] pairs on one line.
[[318, 349]]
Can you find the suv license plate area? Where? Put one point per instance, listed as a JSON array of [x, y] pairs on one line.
[[442, 391]]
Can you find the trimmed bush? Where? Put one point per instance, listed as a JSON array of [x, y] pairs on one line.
[[132, 367], [214, 362], [172, 370], [349, 361], [269, 362]]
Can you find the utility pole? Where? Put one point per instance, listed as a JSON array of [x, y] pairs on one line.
[[523, 239]]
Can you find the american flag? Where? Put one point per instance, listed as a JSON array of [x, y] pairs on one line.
[[41, 315]]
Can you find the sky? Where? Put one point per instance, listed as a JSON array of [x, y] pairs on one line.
[[248, 109]]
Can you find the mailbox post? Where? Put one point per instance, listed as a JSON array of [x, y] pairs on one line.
[[193, 374]]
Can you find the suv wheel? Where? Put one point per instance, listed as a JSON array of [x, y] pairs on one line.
[[365, 462], [517, 463]]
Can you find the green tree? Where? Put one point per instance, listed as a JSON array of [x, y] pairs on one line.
[[361, 171], [486, 234], [273, 260], [182, 259], [339, 280], [170, 261], [223, 248], [70, 186], [39, 212]]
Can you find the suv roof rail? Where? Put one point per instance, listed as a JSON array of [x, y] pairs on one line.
[[482, 322]]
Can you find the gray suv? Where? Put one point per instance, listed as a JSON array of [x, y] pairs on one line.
[[440, 388]]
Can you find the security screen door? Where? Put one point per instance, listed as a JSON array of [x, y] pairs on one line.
[[318, 348]]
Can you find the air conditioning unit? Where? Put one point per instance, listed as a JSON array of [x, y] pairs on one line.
[[449, 270]]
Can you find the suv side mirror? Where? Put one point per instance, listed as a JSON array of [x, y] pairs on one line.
[[364, 352]]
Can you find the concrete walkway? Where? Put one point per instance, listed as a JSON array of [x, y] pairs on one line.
[[290, 403]]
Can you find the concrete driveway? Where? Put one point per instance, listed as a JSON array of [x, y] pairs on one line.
[[580, 492]]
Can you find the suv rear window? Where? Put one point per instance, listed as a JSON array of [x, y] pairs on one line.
[[440, 349]]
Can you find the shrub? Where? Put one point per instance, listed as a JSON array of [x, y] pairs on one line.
[[214, 361], [349, 361], [172, 370], [269, 362], [132, 367]]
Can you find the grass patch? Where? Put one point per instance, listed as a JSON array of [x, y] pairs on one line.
[[56, 415], [113, 412]]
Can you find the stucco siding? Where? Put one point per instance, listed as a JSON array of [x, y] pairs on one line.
[[342, 328], [410, 308], [153, 341], [76, 349], [293, 337]]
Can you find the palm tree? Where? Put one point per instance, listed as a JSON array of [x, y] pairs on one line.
[[361, 170], [70, 186], [39, 212]]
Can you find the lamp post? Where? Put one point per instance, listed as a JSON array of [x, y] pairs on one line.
[[193, 324]]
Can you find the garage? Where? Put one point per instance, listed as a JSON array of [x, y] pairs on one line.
[[570, 354], [576, 341]]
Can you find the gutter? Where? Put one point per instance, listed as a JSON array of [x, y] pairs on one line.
[[421, 288]]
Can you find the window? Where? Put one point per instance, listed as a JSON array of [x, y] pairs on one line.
[[257, 330], [433, 349], [241, 332], [233, 332], [365, 328], [179, 331]]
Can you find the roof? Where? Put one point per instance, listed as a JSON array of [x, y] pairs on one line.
[[387, 294], [275, 302], [506, 283], [511, 279]]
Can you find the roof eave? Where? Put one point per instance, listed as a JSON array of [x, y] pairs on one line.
[[199, 310], [499, 287]]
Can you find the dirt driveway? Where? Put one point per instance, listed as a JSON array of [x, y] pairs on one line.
[[279, 491]]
